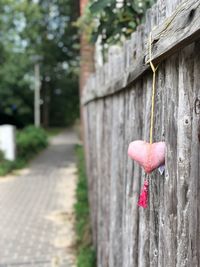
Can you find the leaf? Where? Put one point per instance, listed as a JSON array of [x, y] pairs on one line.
[[99, 5], [94, 37], [132, 24], [136, 8]]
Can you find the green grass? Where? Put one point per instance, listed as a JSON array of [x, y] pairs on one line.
[[86, 256]]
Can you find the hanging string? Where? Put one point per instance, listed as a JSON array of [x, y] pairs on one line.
[[154, 69]]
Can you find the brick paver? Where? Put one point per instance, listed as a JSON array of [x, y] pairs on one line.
[[26, 234]]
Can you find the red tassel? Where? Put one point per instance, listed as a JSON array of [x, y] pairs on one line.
[[143, 199]]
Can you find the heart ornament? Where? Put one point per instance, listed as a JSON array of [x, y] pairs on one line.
[[149, 156]]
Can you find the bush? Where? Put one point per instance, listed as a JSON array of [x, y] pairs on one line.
[[1, 156], [7, 166], [30, 141]]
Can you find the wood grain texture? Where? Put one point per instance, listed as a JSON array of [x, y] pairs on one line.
[[173, 34], [177, 31], [167, 233], [194, 213], [117, 182]]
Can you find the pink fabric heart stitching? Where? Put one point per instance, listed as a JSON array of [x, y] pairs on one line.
[[149, 156]]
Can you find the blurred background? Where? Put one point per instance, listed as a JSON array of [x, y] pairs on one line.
[[38, 42], [42, 40]]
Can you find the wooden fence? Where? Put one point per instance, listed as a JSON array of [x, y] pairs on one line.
[[116, 104]]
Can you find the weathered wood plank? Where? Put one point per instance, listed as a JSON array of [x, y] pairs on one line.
[[176, 32], [99, 180], [194, 212], [184, 154], [144, 233], [134, 100], [117, 182], [160, 136], [106, 178], [92, 175], [168, 219], [125, 213]]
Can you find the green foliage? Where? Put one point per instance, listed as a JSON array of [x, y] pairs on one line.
[[112, 20], [44, 28], [30, 141], [86, 254], [86, 258], [97, 6], [64, 107], [7, 166], [1, 156]]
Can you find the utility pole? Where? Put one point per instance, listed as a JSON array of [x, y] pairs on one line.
[[37, 96]]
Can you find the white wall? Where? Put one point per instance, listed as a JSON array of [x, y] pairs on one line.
[[7, 141]]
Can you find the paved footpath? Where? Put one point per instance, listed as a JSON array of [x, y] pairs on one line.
[[36, 209]]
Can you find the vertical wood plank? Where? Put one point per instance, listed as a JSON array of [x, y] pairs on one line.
[[132, 173], [194, 211], [160, 136], [143, 242], [99, 180], [184, 153], [168, 220], [117, 181], [92, 179], [105, 174]]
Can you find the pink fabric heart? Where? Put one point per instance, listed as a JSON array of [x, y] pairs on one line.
[[149, 156]]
